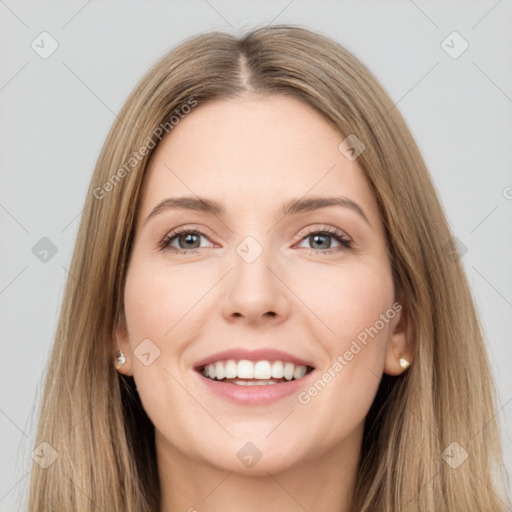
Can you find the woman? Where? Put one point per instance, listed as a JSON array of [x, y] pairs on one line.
[[207, 359]]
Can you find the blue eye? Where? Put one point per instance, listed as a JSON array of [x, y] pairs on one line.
[[320, 238], [189, 241]]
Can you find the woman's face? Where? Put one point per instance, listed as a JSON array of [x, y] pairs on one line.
[[265, 279]]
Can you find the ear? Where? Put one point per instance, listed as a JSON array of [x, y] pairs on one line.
[[121, 341], [401, 343]]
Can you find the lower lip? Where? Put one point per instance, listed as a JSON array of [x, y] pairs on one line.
[[255, 395]]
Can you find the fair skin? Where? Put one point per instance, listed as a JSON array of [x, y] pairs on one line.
[[305, 294]]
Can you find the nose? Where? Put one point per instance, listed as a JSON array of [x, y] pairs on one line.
[[255, 292]]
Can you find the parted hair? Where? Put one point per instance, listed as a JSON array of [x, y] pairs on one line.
[[92, 415]]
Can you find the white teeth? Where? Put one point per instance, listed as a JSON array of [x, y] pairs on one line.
[[299, 372], [231, 369], [220, 372], [254, 382], [245, 369], [277, 370], [260, 370], [289, 369]]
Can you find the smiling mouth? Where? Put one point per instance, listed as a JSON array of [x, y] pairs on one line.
[[244, 372]]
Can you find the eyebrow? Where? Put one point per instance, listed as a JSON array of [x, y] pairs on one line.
[[294, 206]]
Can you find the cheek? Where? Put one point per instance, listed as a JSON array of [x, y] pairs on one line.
[[349, 301], [363, 324], [156, 304], [157, 299], [357, 305]]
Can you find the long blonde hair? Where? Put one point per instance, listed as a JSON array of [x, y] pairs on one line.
[[92, 416]]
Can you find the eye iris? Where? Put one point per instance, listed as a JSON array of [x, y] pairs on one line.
[[320, 236], [191, 240], [189, 237]]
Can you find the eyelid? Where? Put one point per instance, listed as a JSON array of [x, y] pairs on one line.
[[343, 239], [314, 228], [164, 244], [197, 228], [173, 233]]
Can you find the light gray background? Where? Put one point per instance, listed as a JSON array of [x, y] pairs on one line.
[[55, 114]]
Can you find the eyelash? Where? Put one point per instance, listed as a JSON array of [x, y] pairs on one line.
[[339, 236]]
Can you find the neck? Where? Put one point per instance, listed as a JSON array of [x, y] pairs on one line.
[[324, 484]]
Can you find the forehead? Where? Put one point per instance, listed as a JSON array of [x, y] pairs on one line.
[[252, 152]]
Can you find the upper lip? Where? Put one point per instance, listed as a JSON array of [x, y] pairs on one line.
[[261, 354]]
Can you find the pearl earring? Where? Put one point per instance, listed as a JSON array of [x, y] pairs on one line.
[[404, 363], [119, 359]]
